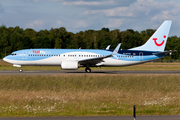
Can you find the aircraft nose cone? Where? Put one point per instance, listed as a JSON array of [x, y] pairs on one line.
[[5, 59]]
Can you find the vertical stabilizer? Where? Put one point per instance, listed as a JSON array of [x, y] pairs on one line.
[[157, 41]]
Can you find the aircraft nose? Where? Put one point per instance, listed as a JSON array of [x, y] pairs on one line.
[[5, 58]]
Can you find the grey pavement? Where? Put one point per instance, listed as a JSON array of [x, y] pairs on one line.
[[50, 72]]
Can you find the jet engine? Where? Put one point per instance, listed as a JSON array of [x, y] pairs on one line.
[[69, 65]]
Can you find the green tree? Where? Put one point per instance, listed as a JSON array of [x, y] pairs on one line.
[[58, 43]]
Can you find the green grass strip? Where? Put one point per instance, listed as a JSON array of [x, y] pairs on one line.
[[89, 95]]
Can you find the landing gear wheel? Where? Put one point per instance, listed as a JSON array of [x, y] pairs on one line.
[[88, 70], [20, 70]]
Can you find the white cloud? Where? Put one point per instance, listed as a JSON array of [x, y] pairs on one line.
[[90, 3], [80, 15], [119, 11], [35, 24], [75, 24], [59, 22], [96, 4], [141, 7], [36, 1], [113, 23], [56, 0], [140, 15], [80, 24]]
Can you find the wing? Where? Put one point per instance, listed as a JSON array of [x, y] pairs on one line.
[[94, 61]]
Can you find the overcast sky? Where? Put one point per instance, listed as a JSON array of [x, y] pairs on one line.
[[81, 15]]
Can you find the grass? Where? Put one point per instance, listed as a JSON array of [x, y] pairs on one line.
[[147, 66], [89, 95]]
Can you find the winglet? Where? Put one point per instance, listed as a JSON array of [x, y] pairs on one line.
[[116, 49], [108, 47]]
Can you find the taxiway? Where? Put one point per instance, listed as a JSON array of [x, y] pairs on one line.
[[8, 72]]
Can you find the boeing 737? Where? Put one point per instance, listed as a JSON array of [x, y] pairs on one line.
[[72, 59]]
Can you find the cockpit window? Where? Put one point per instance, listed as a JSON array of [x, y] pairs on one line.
[[13, 54]]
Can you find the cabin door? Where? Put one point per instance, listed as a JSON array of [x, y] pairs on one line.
[[141, 56], [24, 55]]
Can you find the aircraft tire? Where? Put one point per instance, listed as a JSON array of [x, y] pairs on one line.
[[20, 70], [88, 70]]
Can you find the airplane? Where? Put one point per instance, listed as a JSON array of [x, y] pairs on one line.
[[72, 59], [107, 48]]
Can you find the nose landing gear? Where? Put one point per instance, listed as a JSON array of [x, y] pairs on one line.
[[88, 70]]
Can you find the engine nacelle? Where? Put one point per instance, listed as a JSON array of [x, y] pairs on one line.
[[69, 65]]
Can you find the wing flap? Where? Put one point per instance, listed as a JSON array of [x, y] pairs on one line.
[[93, 60]]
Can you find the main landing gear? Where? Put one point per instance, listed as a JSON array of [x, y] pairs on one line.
[[88, 70], [20, 70]]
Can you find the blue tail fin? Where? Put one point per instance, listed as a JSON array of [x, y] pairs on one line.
[[157, 41]]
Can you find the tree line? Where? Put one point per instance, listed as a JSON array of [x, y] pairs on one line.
[[16, 38]]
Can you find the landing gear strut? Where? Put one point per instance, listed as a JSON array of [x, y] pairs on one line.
[[88, 70], [20, 70]]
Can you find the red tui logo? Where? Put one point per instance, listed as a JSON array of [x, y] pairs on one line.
[[160, 43], [36, 51]]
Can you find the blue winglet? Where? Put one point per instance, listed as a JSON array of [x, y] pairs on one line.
[[108, 47], [116, 49]]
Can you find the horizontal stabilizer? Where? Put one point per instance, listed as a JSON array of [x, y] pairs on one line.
[[165, 52]]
